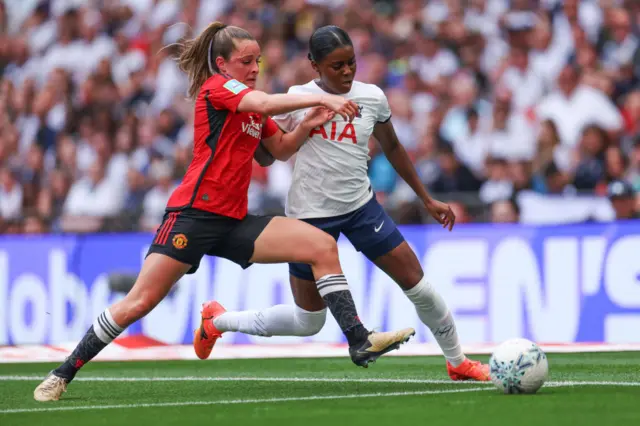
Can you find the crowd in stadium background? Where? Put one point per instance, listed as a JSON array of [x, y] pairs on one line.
[[521, 110]]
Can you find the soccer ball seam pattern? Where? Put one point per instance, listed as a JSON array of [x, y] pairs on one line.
[[518, 366]]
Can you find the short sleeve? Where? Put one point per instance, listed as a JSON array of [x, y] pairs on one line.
[[225, 94], [269, 129], [384, 111], [285, 121], [288, 121]]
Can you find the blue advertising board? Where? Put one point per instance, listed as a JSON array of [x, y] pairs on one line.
[[558, 284]]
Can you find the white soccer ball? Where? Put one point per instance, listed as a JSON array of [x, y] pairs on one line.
[[518, 366]]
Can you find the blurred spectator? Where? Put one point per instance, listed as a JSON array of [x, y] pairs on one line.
[[155, 201], [51, 200], [521, 176], [463, 95], [11, 195], [620, 46], [573, 106], [432, 59], [510, 137], [590, 169], [454, 176], [615, 164], [622, 197], [522, 80], [549, 52], [554, 181], [400, 105], [631, 114], [137, 187], [498, 185], [472, 148], [633, 173], [34, 224], [91, 199], [550, 149], [461, 212], [505, 211]]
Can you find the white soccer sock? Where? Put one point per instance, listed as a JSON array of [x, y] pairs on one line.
[[279, 320], [433, 312], [106, 328]]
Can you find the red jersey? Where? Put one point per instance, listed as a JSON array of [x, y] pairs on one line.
[[224, 142]]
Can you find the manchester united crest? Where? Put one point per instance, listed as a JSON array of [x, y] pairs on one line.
[[180, 241]]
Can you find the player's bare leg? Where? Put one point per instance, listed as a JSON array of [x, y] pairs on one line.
[[402, 265], [331, 284], [290, 240], [159, 273]]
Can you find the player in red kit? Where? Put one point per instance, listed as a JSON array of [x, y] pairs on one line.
[[207, 213]]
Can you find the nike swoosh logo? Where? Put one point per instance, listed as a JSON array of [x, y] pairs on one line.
[[378, 228]]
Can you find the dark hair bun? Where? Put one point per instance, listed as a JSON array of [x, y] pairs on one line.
[[325, 40]]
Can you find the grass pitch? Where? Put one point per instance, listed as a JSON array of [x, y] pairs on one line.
[[583, 389]]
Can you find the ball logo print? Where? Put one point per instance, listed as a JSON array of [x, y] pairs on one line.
[[180, 241]]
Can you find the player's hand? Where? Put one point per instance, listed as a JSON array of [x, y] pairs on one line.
[[339, 105], [318, 116], [442, 213]]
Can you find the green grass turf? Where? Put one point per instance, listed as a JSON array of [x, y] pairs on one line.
[[578, 405]]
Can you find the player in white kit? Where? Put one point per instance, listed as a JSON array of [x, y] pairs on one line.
[[331, 190]]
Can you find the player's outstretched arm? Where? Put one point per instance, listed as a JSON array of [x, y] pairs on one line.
[[283, 145], [265, 104], [399, 159]]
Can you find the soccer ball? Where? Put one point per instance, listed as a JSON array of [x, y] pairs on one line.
[[518, 366]]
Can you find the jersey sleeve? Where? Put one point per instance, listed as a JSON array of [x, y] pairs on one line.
[[288, 121], [226, 94], [269, 129], [285, 121], [384, 111]]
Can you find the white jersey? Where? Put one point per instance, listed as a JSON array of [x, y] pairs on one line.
[[330, 173]]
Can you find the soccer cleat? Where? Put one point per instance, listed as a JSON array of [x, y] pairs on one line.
[[50, 389], [378, 344], [207, 334], [469, 370]]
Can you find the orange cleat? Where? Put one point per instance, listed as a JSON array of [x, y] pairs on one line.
[[469, 370], [207, 334]]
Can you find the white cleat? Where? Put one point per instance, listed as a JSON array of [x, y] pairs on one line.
[[50, 389]]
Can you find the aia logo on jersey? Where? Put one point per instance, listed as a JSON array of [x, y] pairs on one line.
[[252, 128], [336, 132]]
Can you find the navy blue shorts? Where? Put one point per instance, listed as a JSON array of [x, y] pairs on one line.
[[370, 230]]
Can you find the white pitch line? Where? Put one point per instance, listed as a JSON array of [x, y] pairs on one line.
[[238, 401], [242, 379], [308, 379], [590, 383]]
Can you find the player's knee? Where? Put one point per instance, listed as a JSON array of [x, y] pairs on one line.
[[324, 250], [410, 278], [404, 266], [310, 323]]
